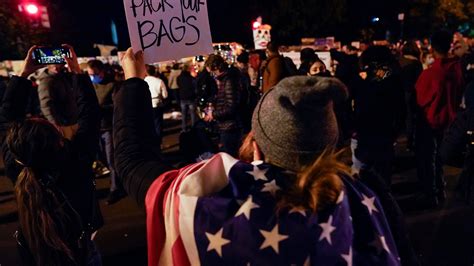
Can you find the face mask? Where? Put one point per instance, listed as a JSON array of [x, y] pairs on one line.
[[96, 79], [430, 61]]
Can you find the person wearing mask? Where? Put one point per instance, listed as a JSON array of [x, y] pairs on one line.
[[411, 69], [307, 56], [158, 95], [379, 113], [439, 91], [104, 87], [295, 204], [52, 164], [187, 95], [318, 68], [173, 83], [226, 111], [273, 68]]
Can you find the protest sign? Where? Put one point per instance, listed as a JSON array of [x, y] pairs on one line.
[[168, 29]]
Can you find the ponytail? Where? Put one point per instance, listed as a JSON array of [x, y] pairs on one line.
[[42, 220], [318, 185]]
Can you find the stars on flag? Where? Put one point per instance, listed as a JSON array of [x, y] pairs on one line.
[[247, 207], [271, 187], [379, 244], [369, 203], [216, 241], [258, 174], [348, 257], [272, 239], [327, 230]]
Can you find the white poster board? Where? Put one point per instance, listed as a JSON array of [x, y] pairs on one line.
[[168, 29]]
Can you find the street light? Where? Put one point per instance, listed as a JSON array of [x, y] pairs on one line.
[[32, 9]]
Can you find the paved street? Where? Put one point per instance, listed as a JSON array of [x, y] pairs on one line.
[[443, 237]]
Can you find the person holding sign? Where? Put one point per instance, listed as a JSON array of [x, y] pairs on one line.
[[296, 204]]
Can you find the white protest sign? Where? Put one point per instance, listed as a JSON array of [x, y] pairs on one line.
[[168, 29]]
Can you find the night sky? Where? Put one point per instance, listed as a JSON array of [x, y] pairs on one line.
[[87, 21]]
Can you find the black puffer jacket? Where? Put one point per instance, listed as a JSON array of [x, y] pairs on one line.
[[227, 100]]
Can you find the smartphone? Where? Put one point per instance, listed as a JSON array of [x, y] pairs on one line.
[[50, 55]]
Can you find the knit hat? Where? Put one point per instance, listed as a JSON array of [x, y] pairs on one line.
[[295, 121]]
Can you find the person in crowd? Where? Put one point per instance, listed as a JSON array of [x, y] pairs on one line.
[[318, 68], [206, 88], [188, 97], [43, 92], [227, 102], [158, 93], [439, 92], [307, 56], [295, 204], [427, 59], [347, 71], [250, 94], [379, 108], [173, 84], [273, 68], [55, 191], [458, 145], [104, 87], [411, 69]]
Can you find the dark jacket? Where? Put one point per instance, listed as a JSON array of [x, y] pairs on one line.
[[104, 92], [227, 100], [76, 179], [273, 72], [379, 108], [187, 90], [458, 141]]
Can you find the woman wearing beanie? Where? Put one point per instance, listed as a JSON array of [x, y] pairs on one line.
[[295, 204], [51, 162]]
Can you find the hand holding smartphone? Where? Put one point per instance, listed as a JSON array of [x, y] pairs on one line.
[[50, 55]]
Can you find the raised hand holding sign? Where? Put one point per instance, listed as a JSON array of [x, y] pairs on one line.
[[168, 29]]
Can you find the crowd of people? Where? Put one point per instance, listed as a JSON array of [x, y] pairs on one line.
[[263, 180]]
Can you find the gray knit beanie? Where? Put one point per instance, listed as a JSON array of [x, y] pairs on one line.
[[295, 121]]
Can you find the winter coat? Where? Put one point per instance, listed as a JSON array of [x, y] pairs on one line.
[[187, 90], [439, 91], [273, 72], [227, 101]]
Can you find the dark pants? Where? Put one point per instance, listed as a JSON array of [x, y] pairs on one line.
[[174, 93], [410, 121], [231, 141], [188, 106], [108, 148], [158, 121], [429, 164], [377, 157]]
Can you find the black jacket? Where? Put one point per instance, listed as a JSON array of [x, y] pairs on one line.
[[104, 92], [187, 89], [76, 179], [227, 100], [136, 146], [457, 143], [379, 108]]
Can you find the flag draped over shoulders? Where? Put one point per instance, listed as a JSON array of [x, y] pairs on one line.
[[223, 212]]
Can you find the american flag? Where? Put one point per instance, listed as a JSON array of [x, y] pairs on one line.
[[222, 212]]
